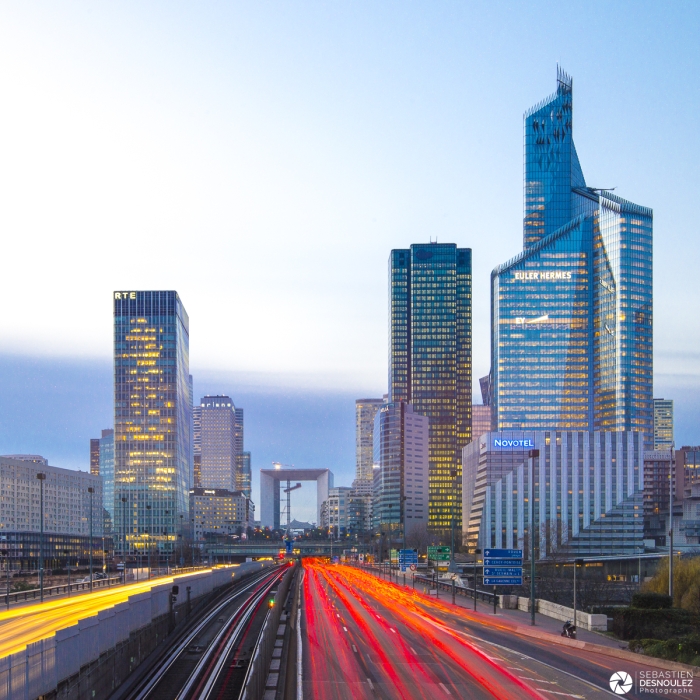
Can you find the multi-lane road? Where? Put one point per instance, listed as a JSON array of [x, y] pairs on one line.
[[367, 638]]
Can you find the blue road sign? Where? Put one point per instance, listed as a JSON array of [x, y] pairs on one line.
[[503, 571], [503, 581], [503, 553], [288, 544], [503, 562], [408, 556]]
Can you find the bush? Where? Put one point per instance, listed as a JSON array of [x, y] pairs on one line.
[[683, 649], [651, 601], [641, 623]]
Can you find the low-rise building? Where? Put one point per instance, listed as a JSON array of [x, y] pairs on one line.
[[220, 512]]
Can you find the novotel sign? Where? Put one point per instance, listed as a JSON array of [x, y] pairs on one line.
[[542, 276], [525, 443]]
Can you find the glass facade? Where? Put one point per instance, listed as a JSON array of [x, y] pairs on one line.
[[430, 361], [243, 473], [218, 443], [106, 457], [663, 424], [151, 420], [365, 412], [571, 345], [585, 489]]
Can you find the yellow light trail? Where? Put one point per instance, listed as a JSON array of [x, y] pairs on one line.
[[23, 626]]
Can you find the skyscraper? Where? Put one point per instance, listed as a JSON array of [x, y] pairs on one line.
[[571, 316], [218, 447], [106, 445], [243, 473], [663, 424], [430, 359], [365, 411], [95, 456], [196, 446], [151, 419]]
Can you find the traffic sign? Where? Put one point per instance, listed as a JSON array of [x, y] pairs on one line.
[[503, 580], [503, 554], [503, 562], [439, 553], [408, 556], [413, 567], [503, 571]]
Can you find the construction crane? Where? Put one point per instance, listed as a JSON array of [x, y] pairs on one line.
[[288, 491]]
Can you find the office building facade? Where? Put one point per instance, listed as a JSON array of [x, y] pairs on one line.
[[659, 471], [585, 488], [152, 420], [430, 358], [336, 510], [571, 316], [400, 492], [106, 466], [220, 512], [68, 509], [218, 443], [663, 424], [365, 411], [244, 474]]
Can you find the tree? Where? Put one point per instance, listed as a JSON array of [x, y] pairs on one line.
[[686, 582]]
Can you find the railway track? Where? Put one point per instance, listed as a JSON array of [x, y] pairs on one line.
[[200, 666]]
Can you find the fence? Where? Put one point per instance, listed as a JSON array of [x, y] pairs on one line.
[[254, 683]]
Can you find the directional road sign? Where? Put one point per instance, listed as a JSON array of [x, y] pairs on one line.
[[503, 571], [503, 562], [503, 581], [503, 554], [439, 553]]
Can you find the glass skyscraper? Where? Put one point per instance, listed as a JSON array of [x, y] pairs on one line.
[[430, 359], [151, 420], [365, 411], [571, 315]]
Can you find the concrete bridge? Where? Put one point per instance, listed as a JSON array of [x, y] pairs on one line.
[[251, 548]]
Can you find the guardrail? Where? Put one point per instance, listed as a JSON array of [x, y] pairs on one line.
[[254, 682]]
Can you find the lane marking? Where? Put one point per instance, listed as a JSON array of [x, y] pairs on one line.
[[354, 648], [371, 686], [413, 650], [345, 628], [393, 630], [444, 687], [568, 695], [539, 680]]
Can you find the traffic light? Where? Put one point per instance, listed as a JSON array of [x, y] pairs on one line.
[[271, 603]]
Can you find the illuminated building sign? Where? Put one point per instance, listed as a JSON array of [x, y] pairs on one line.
[[542, 276], [125, 295], [513, 444]]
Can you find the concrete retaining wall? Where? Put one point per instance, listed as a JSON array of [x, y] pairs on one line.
[[559, 612], [42, 666]]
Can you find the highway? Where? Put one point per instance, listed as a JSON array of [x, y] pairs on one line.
[[22, 626], [368, 638]]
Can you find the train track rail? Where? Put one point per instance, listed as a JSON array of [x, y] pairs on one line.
[[192, 669]]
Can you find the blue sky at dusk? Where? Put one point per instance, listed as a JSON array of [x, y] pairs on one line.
[[264, 158]]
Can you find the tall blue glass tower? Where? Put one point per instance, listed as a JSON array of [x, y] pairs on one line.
[[152, 421], [571, 316]]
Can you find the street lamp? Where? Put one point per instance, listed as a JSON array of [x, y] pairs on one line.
[[91, 491], [670, 520], [148, 508], [531, 497], [182, 543], [42, 477], [124, 540], [577, 563], [67, 553], [453, 474]]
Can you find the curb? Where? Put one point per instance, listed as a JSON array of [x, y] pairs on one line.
[[609, 651]]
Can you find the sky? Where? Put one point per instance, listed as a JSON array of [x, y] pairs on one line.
[[263, 159]]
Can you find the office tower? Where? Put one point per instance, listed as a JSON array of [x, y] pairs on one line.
[[218, 447], [365, 411], [197, 446], [95, 456], [430, 358], [191, 426], [238, 437], [106, 465], [243, 473], [571, 316], [586, 489], [663, 424], [151, 420], [335, 510], [658, 466], [481, 420], [402, 472]]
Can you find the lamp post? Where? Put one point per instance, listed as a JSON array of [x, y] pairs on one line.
[[42, 477], [531, 497], [91, 491], [67, 554], [148, 539], [453, 474], [577, 563], [6, 553], [182, 543], [670, 520], [123, 499]]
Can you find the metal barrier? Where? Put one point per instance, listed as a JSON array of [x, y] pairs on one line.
[[254, 682], [49, 591]]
